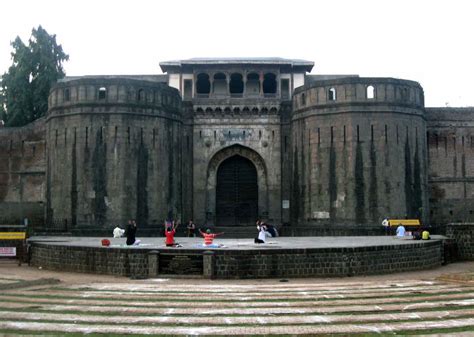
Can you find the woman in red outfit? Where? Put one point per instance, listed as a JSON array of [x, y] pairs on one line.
[[170, 232]]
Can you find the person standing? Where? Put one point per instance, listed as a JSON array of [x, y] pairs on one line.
[[191, 229], [131, 232]]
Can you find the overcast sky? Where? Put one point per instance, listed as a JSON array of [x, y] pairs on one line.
[[426, 41]]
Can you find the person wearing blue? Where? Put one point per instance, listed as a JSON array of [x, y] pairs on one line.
[[400, 231]]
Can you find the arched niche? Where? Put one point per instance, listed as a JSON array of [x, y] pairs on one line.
[[211, 186]]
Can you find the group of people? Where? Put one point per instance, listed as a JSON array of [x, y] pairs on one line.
[[264, 230], [419, 234], [170, 231], [170, 228], [130, 232]]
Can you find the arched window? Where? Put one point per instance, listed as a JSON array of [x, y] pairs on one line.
[[203, 85], [332, 94], [269, 84], [370, 92], [252, 87], [102, 93], [219, 84], [141, 97], [303, 99], [403, 94], [67, 95], [236, 85]]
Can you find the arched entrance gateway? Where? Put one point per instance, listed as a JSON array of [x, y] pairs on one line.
[[237, 189], [237, 192]]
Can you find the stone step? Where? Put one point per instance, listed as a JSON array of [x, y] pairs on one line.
[[169, 308]]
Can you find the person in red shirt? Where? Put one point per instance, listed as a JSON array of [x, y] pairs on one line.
[[209, 238], [170, 232]]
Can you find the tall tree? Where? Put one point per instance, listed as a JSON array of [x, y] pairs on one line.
[[25, 86]]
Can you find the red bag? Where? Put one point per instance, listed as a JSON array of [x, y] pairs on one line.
[[105, 242]]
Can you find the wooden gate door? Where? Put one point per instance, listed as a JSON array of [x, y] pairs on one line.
[[237, 192]]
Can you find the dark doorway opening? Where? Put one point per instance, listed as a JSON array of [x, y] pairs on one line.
[[237, 192], [188, 89], [203, 85], [269, 84], [236, 85], [285, 89]]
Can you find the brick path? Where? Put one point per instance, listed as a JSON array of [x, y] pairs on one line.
[[399, 304]]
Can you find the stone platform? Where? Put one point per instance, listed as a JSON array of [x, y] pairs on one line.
[[239, 258]]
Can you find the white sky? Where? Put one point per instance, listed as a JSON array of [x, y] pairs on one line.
[[430, 42]]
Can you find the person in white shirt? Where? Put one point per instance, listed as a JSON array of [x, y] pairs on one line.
[[118, 232], [400, 231], [262, 233]]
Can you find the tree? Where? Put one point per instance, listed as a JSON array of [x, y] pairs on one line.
[[25, 86]]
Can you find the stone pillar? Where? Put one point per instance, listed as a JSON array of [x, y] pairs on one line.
[[244, 81], [208, 264], [153, 263], [211, 82]]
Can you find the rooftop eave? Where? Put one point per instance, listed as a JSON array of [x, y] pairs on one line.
[[296, 65]]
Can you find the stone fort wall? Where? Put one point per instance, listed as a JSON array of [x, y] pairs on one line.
[[114, 153], [451, 164], [241, 264], [22, 173], [349, 151], [359, 152]]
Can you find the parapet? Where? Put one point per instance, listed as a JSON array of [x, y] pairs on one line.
[[111, 93], [357, 91]]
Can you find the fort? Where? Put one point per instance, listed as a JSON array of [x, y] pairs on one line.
[[225, 141]]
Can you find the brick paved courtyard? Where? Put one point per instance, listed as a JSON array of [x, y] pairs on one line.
[[439, 302]]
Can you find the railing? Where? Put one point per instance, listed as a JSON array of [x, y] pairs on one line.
[[238, 95]]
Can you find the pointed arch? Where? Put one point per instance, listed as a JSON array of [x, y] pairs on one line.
[[262, 178]]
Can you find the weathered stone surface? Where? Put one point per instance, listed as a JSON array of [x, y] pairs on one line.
[[463, 235], [358, 160], [334, 156], [285, 257]]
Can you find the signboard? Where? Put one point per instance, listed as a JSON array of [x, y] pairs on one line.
[[285, 204], [7, 251], [321, 215], [182, 264], [12, 235]]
